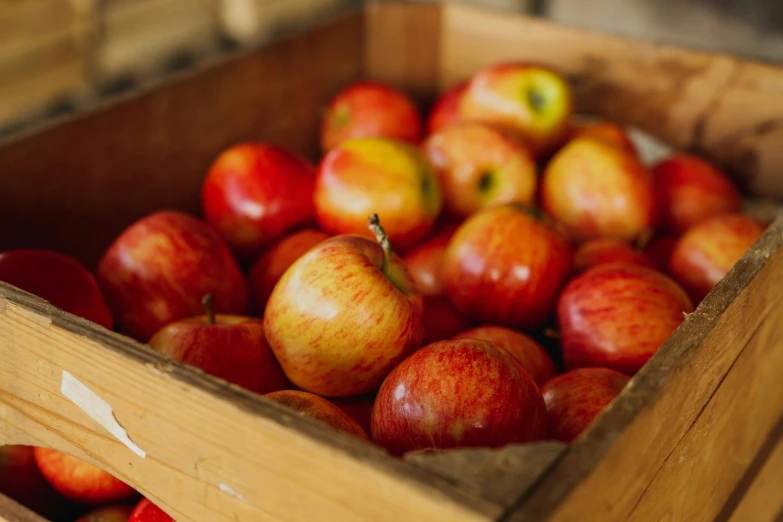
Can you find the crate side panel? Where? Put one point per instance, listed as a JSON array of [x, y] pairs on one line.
[[762, 501]]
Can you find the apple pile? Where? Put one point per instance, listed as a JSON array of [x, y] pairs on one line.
[[493, 275]]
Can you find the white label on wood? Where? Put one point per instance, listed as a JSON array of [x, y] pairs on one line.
[[98, 409], [225, 488]]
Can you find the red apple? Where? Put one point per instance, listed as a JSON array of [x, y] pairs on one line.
[[22, 481], [479, 166], [146, 511], [425, 262], [80, 481], [598, 190], [574, 399], [706, 252], [343, 315], [441, 320], [607, 131], [273, 263], [601, 251], [525, 350], [370, 109], [107, 514], [618, 315], [690, 190], [311, 405], [358, 408], [59, 279], [230, 347], [454, 394], [256, 192], [505, 266], [528, 99], [445, 112], [659, 250], [157, 271], [373, 175]]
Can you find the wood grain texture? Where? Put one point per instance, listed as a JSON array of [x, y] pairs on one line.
[[11, 511], [717, 105], [762, 501], [669, 405], [200, 434]]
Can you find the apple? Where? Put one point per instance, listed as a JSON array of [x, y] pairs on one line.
[[525, 350], [505, 265], [358, 408], [691, 189], [607, 131], [617, 316], [598, 190], [146, 511], [659, 250], [313, 406], [107, 514], [343, 315], [273, 263], [445, 112], [706, 252], [425, 262], [479, 166], [230, 347], [574, 399], [80, 481], [528, 99], [59, 279], [605, 250], [22, 481], [370, 110], [157, 271], [441, 320], [454, 394], [375, 175], [256, 192]]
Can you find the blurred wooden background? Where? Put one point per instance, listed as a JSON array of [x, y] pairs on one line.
[[56, 53]]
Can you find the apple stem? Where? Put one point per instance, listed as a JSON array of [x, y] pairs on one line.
[[382, 238], [209, 304]]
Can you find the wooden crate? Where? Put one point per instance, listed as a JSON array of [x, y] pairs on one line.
[[695, 436]]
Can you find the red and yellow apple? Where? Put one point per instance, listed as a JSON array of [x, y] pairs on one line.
[[574, 399], [441, 320], [445, 112], [530, 100], [706, 252], [374, 175], [146, 511], [605, 250], [457, 394], [59, 279], [158, 270], [370, 110], [598, 190], [255, 192], [107, 514], [505, 265], [618, 315], [425, 262], [318, 408], [273, 263], [22, 481], [607, 131], [479, 166]]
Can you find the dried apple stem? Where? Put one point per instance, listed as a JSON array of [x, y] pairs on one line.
[[209, 305], [383, 240]]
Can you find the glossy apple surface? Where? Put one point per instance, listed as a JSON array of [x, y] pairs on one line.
[[505, 266], [107, 514], [342, 316], [598, 190], [311, 405], [146, 511], [525, 350], [601, 251], [706, 252], [158, 270], [528, 99], [256, 192], [273, 263], [690, 190], [370, 109], [618, 315], [445, 112], [80, 481], [425, 262], [454, 394], [230, 347], [479, 166], [607, 131], [574, 399], [59, 279], [441, 320], [371, 175]]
